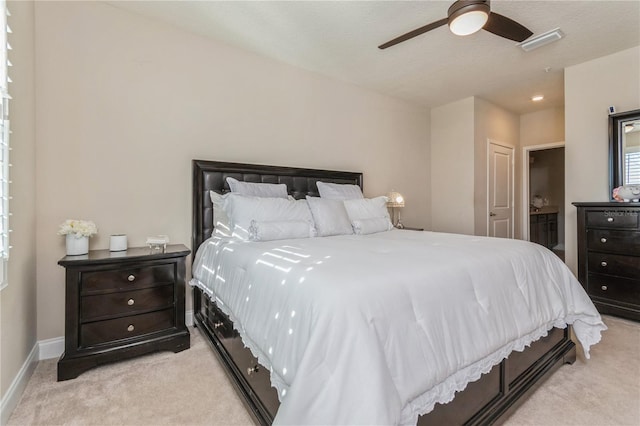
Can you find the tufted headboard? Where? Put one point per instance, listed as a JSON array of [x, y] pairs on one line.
[[211, 176]]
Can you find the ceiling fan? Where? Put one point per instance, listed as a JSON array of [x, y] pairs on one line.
[[465, 17]]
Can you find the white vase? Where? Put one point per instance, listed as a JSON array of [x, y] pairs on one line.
[[77, 245]]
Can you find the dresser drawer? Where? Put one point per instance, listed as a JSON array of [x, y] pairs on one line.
[[622, 242], [127, 278], [614, 264], [108, 331], [125, 302], [614, 219], [622, 290]]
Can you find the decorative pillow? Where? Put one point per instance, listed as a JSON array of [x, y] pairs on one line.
[[330, 216], [277, 190], [337, 191], [243, 209], [367, 208], [371, 226], [280, 230], [221, 224]]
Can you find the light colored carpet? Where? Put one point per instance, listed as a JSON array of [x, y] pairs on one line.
[[190, 388]]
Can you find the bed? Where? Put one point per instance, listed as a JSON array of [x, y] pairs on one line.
[[507, 377]]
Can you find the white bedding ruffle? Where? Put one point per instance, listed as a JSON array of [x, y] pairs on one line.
[[368, 312]]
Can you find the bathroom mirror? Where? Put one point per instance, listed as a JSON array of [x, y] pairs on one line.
[[624, 149]]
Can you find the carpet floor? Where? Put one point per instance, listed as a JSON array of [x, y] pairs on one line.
[[190, 388]]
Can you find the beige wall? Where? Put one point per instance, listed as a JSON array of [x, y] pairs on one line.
[[503, 127], [452, 158], [18, 299], [125, 103], [590, 88], [459, 134], [542, 127]]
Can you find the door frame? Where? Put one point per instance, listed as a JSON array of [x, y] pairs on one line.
[[526, 150], [512, 183]]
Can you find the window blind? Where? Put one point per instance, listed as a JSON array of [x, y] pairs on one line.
[[632, 168]]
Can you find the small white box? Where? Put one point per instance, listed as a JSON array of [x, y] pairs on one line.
[[118, 242]]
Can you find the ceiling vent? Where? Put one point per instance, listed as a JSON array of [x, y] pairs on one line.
[[542, 39]]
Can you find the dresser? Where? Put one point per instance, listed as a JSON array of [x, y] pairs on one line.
[[609, 256], [122, 304]]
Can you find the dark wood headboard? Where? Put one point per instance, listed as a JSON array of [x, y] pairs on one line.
[[212, 176]]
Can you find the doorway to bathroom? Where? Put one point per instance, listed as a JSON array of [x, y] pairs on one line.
[[543, 196]]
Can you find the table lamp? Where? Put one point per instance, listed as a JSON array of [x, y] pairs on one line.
[[396, 202]]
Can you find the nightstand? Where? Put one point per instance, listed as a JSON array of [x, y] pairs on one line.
[[408, 228], [122, 304]]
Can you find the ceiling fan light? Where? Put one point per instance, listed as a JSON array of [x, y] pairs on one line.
[[467, 16], [468, 23]]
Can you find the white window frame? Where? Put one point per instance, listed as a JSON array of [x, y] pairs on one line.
[[4, 144]]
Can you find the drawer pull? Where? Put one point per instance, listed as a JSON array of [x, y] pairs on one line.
[[131, 327], [130, 302], [609, 219], [603, 240], [604, 287], [217, 324], [252, 370], [131, 278], [603, 263]]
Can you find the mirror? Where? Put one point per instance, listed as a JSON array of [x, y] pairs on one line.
[[624, 149]]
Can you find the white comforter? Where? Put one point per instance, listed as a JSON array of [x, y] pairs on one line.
[[376, 329]]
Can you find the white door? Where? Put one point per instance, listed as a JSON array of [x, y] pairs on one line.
[[500, 191]]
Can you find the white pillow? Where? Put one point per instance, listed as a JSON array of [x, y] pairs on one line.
[[337, 191], [221, 224], [242, 209], [367, 208], [278, 190], [280, 230], [329, 216], [371, 226]]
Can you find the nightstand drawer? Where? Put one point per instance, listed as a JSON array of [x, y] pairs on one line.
[[614, 264], [612, 219], [109, 331], [127, 278], [622, 242], [125, 302], [623, 290]]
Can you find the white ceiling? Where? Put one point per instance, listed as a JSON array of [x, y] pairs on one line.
[[340, 38]]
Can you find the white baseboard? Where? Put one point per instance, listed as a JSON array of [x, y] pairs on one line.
[[188, 318], [14, 393], [51, 348]]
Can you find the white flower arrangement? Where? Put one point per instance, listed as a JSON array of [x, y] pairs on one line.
[[80, 228]]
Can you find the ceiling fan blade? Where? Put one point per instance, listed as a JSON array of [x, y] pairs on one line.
[[413, 33], [507, 28]]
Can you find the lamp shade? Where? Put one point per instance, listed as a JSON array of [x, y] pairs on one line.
[[395, 199], [468, 17]]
